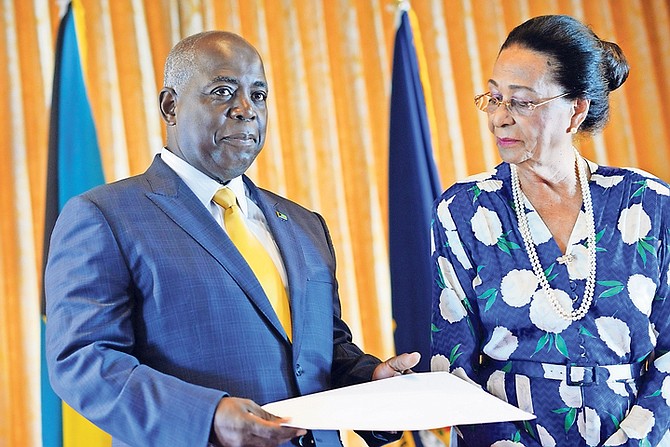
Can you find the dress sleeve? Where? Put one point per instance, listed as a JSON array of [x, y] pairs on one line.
[[648, 421], [456, 334]]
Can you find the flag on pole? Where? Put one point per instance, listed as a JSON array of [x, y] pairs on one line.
[[74, 166], [413, 186]]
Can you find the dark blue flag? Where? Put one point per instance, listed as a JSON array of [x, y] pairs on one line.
[[413, 186]]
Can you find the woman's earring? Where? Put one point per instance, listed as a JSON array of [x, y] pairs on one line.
[[573, 130]]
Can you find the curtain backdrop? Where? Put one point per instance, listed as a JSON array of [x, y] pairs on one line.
[[328, 63]]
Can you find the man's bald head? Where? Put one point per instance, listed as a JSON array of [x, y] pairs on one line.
[[181, 58]]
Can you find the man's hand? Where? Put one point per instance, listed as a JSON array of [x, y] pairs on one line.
[[242, 422], [396, 366]]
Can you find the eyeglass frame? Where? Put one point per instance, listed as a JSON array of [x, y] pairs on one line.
[[530, 105]]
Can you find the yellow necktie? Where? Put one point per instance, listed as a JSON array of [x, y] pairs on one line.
[[256, 256]]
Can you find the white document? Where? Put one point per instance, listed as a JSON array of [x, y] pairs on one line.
[[419, 401]]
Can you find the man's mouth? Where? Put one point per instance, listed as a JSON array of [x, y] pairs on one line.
[[241, 137]]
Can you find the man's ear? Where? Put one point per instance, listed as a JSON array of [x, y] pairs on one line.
[[167, 103]]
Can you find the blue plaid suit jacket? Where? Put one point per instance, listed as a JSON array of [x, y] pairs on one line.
[[153, 315]]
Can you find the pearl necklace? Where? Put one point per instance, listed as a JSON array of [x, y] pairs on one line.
[[527, 237]]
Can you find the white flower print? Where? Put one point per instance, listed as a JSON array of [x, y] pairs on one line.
[[579, 268], [518, 286], [490, 185], [451, 306], [588, 424], [523, 394], [440, 363], [634, 224], [444, 214], [581, 229], [618, 438], [665, 390], [618, 387], [477, 281], [663, 363], [538, 229], [502, 344], [606, 181], [486, 226], [638, 423], [653, 335], [641, 291], [496, 385], [544, 316], [615, 333], [658, 188], [571, 395], [546, 440], [455, 244], [507, 443]]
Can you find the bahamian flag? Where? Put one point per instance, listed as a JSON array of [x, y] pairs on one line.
[[74, 166]]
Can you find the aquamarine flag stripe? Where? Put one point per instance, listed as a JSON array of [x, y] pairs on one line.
[[52, 419], [79, 164], [74, 166]]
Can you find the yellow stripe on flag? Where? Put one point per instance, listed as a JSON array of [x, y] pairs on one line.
[[80, 432], [425, 79], [79, 16]]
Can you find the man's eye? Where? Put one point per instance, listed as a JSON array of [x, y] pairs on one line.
[[259, 96], [222, 91]]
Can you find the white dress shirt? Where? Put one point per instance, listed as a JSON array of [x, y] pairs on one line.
[[204, 187]]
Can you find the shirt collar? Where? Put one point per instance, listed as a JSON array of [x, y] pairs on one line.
[[203, 186]]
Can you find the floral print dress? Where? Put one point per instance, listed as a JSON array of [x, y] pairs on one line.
[[494, 326]]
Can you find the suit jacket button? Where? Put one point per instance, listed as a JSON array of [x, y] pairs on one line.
[[298, 370]]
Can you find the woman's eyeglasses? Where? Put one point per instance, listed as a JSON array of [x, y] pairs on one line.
[[488, 103]]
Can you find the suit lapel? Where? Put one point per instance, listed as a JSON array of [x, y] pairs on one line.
[[283, 229], [177, 201]]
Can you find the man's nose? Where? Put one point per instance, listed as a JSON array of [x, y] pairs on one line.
[[242, 109]]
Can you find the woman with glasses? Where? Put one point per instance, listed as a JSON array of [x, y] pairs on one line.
[[551, 272]]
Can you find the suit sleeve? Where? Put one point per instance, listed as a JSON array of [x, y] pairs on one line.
[[90, 340], [350, 364]]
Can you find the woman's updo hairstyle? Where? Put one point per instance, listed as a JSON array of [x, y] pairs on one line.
[[587, 67]]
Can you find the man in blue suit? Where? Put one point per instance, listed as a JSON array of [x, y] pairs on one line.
[[158, 330]]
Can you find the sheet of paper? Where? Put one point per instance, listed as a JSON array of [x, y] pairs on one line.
[[418, 401]]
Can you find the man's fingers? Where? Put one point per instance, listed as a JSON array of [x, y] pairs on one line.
[[404, 362], [401, 364], [241, 422], [269, 430], [261, 413]]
